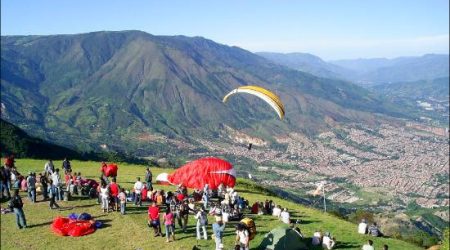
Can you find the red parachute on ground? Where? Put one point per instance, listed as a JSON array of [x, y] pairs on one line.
[[110, 170], [72, 227], [195, 174]]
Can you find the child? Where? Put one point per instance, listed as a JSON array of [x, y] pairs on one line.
[[104, 193], [53, 192], [123, 200], [169, 222]]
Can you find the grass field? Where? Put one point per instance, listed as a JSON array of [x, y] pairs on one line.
[[130, 231]]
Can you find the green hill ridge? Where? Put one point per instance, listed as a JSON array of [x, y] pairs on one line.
[[115, 88]]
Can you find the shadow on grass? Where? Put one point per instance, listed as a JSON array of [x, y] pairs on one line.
[[104, 223], [79, 198], [345, 245], [40, 224], [136, 210], [83, 206]]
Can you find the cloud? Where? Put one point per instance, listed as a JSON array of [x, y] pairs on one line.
[[354, 47]]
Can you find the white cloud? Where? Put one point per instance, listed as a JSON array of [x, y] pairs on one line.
[[354, 47]]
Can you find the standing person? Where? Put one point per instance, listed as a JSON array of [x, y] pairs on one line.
[[368, 246], [49, 168], [123, 200], [169, 224], [53, 191], [56, 178], [183, 215], [66, 165], [153, 216], [202, 222], [2, 181], [362, 227], [44, 182], [9, 161], [205, 199], [148, 178], [218, 229], [242, 237], [104, 193], [5, 173], [16, 204], [138, 186], [31, 187], [114, 188]]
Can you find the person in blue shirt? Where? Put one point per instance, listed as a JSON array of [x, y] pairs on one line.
[[218, 229]]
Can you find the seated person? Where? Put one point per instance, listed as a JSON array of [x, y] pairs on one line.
[[327, 241], [276, 211], [317, 238], [362, 227], [374, 231]]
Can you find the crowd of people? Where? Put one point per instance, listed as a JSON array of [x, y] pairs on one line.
[[174, 208]]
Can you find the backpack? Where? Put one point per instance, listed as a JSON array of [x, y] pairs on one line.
[[203, 219], [250, 226], [173, 205], [15, 202]]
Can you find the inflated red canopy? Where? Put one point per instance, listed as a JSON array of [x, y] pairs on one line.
[[65, 226], [196, 174], [111, 170]]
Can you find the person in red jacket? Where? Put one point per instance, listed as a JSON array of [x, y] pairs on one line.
[[114, 189], [153, 219]]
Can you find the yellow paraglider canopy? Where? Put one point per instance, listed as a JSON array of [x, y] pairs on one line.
[[269, 97]]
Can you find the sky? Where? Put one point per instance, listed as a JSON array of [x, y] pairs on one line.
[[333, 29]]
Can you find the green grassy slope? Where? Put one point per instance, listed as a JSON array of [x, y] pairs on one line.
[[131, 232]]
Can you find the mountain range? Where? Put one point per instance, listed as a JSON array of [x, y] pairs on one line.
[[123, 89], [370, 71]]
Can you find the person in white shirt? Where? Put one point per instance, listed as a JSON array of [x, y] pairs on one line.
[[285, 217], [242, 236], [104, 193], [138, 186], [327, 242], [56, 178], [368, 246], [49, 168], [276, 211], [362, 227]]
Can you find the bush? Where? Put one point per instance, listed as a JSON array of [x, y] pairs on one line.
[[445, 242], [358, 215]]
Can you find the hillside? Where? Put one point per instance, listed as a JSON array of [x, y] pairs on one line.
[[308, 63], [131, 232], [430, 98], [382, 70], [124, 90], [16, 141]]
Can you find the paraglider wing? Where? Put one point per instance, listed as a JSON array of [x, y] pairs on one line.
[[111, 170], [269, 97], [195, 174]]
